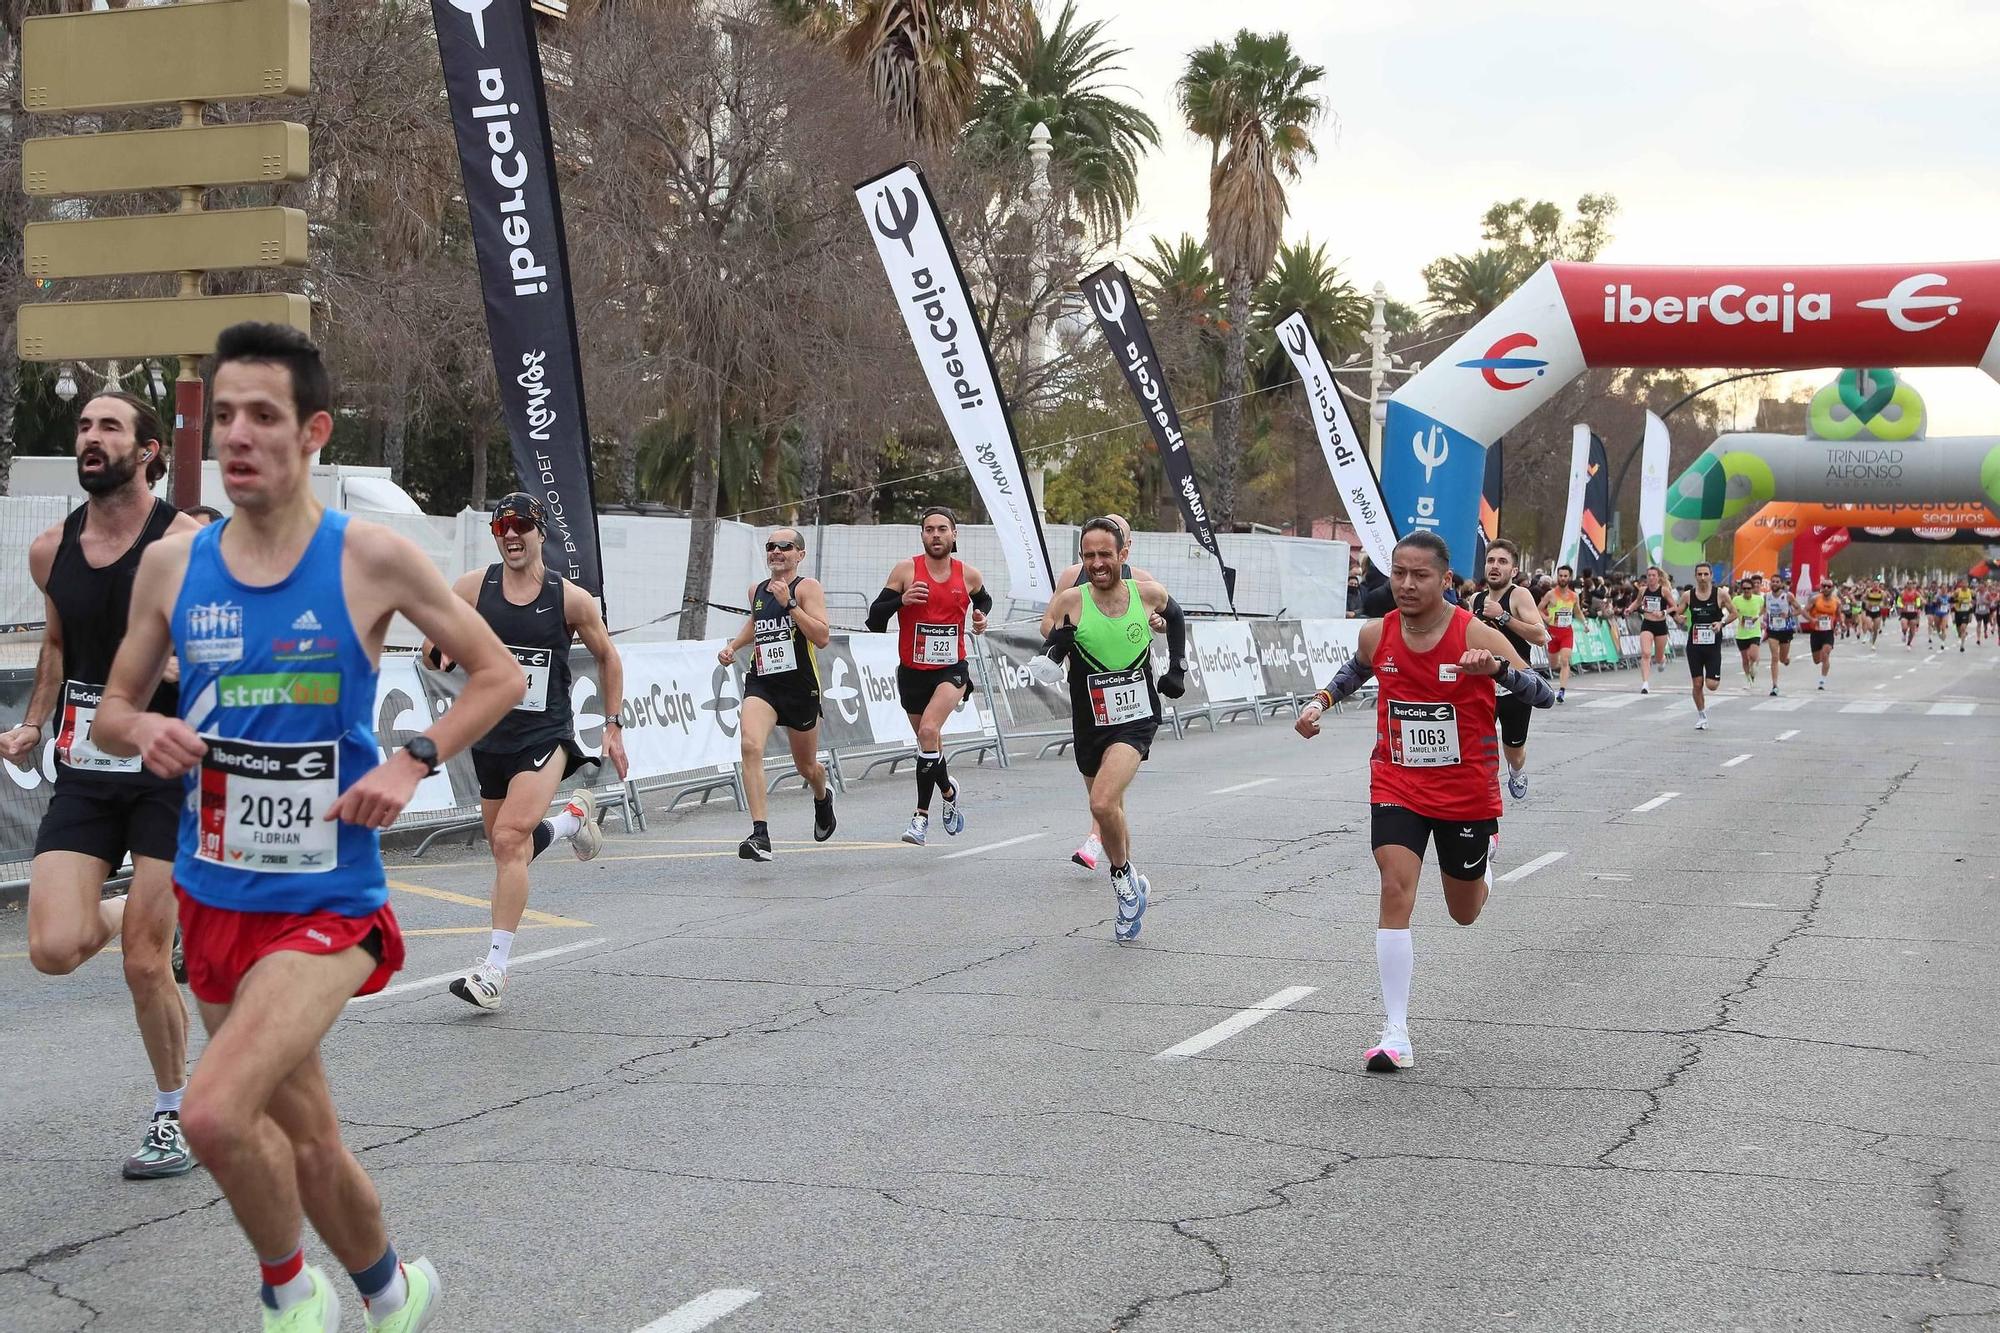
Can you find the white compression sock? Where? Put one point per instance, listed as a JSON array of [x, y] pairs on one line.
[[564, 824], [496, 952], [164, 1102], [1395, 960]]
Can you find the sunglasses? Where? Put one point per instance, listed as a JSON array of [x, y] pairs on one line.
[[514, 523], [780, 546]]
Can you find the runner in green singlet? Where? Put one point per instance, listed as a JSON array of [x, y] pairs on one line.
[[1749, 608]]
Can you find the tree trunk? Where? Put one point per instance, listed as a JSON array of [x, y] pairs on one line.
[[626, 456], [396, 435], [1301, 519], [812, 466], [480, 451], [701, 513], [1228, 416]]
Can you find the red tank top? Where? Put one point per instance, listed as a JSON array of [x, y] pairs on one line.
[[1435, 748], [932, 636]]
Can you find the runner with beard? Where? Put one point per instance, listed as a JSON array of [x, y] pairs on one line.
[[929, 596], [1874, 609], [1748, 606], [1433, 773], [104, 807], [283, 898], [1175, 628], [533, 750], [1656, 603], [1105, 631], [1962, 602], [1559, 608], [1512, 611], [1705, 617], [1781, 622], [1822, 617], [788, 627]]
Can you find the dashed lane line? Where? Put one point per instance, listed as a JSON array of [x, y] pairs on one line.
[[1655, 803], [1237, 1022], [992, 846], [1523, 871], [1731, 763], [425, 983], [702, 1311], [1244, 786]]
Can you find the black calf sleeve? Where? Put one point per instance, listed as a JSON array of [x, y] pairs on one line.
[[545, 833], [927, 768]]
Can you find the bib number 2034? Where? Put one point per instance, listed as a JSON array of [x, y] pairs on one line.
[[263, 806], [1423, 735]]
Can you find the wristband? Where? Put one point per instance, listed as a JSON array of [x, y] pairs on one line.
[[614, 722], [1324, 700]]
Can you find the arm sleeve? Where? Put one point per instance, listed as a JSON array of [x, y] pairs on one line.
[[1176, 631], [1526, 685], [1353, 674], [982, 601], [883, 609]]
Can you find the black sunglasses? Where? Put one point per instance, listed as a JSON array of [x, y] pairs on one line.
[[781, 546]]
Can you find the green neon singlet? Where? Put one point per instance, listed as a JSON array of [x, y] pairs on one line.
[[1114, 643], [1749, 615]]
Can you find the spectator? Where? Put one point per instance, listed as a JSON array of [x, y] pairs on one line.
[[203, 514]]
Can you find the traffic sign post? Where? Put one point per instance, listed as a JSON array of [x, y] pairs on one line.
[[190, 54]]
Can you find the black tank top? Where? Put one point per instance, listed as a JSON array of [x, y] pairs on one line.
[[786, 662], [1479, 609], [91, 606], [1705, 612], [538, 636]]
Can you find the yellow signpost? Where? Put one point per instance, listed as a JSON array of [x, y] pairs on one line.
[[190, 54]]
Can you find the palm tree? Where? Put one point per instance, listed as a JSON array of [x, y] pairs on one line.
[[1180, 283], [1053, 78], [1469, 287], [1303, 279], [921, 58], [1252, 101]]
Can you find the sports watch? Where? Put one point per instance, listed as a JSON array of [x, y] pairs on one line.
[[425, 751]]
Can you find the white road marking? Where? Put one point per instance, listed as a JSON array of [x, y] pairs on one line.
[[702, 1311], [1523, 871], [1780, 705], [1243, 786], [991, 846], [1731, 763], [1615, 701], [1787, 735], [1772, 905], [1237, 1022], [1952, 710], [1932, 658], [424, 983], [1655, 803], [1867, 706], [1879, 687]]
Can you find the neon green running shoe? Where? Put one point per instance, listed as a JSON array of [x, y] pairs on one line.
[[421, 1307], [318, 1313]]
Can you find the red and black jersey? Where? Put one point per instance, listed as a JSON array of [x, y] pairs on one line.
[[1435, 748], [931, 635]]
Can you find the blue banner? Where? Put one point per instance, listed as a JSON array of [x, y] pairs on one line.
[[1432, 479]]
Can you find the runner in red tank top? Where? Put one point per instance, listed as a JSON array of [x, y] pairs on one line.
[[1435, 768], [929, 595]]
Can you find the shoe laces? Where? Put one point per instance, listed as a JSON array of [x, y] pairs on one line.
[[164, 1133]]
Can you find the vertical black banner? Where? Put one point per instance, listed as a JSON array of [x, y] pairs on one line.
[[499, 110], [1116, 306], [1489, 507], [1592, 555]]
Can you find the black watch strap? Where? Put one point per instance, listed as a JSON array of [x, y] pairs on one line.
[[425, 751]]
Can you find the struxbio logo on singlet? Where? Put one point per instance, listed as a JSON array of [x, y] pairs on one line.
[[275, 688]]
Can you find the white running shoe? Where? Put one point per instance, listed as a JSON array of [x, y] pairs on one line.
[[1517, 783], [1391, 1051], [588, 840], [1701, 721], [1822, 682], [918, 831], [1645, 688], [1088, 855], [481, 986]]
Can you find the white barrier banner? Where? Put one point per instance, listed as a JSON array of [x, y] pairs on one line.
[[680, 708], [1330, 644], [1227, 654], [875, 656], [402, 708]]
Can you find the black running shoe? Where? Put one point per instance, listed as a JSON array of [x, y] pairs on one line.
[[823, 821], [756, 847]]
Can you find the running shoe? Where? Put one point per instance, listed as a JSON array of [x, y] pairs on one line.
[[1088, 854], [1129, 893], [1822, 682], [1391, 1050], [317, 1313], [952, 816], [421, 1306], [163, 1153], [588, 840], [481, 986], [1701, 722], [823, 821], [756, 847], [919, 829], [1774, 691], [1644, 688], [1517, 783], [1559, 695], [179, 959]]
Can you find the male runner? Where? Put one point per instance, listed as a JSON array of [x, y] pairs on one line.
[[1937, 603], [788, 624], [1982, 608], [1433, 770], [1656, 603], [1559, 608], [1748, 606], [1962, 603], [1822, 615], [533, 750], [1910, 606], [1704, 617], [1874, 607], [1512, 611], [1781, 622], [929, 595], [1175, 628], [283, 900], [1105, 631], [104, 807]]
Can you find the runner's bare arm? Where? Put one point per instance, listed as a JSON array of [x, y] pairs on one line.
[[1481, 637], [24, 740], [582, 614], [1528, 620], [466, 588], [897, 591], [810, 613], [748, 631], [168, 746]]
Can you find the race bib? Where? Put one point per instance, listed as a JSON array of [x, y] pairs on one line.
[[1824, 623], [1703, 634], [1423, 735], [73, 744], [535, 668], [1653, 605], [1562, 619], [775, 650], [937, 645], [1118, 697], [263, 806]]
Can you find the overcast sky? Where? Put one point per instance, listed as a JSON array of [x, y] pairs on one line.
[[1736, 131]]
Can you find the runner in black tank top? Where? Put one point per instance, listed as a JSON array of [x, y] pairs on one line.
[[1705, 614], [1513, 612], [104, 807], [785, 631], [532, 749]]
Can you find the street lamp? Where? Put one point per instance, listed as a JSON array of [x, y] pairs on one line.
[[67, 387]]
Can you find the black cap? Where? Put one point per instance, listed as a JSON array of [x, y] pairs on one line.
[[525, 505]]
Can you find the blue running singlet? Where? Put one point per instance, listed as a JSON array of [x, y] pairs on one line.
[[276, 681]]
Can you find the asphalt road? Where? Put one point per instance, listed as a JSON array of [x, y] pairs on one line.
[[1722, 1054]]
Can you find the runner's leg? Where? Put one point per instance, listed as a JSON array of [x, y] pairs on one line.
[[758, 719], [150, 914], [805, 758], [1107, 801], [69, 919], [512, 835]]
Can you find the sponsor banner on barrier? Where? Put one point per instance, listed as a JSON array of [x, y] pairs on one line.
[[875, 657], [1283, 658], [1023, 703], [1331, 644], [1227, 653], [680, 708], [406, 703]]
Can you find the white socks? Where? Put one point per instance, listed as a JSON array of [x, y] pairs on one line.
[[496, 952], [564, 824], [1395, 961], [165, 1103]]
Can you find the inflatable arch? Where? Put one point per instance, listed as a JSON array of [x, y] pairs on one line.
[[1765, 535], [1570, 317]]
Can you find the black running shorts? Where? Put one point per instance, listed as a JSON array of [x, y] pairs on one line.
[[1961, 617], [1822, 639], [1657, 628], [796, 710], [916, 685], [496, 769], [1514, 714], [106, 820], [1462, 844], [1744, 644], [1705, 660], [1782, 635], [1091, 745]]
